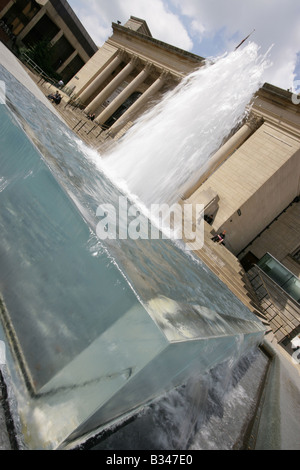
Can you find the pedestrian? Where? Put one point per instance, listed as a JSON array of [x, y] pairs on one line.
[[58, 99], [219, 238]]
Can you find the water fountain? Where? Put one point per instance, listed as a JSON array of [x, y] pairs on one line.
[[97, 329]]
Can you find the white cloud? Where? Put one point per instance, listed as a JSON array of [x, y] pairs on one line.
[[207, 27], [275, 22], [163, 24], [97, 16]]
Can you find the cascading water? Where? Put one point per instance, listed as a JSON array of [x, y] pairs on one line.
[[170, 146], [109, 325]]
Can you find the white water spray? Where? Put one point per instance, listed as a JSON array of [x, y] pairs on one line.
[[171, 143]]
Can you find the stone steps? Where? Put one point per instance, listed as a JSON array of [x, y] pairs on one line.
[[75, 118], [229, 270], [232, 280]]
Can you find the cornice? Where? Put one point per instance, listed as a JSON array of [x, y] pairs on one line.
[[149, 39]]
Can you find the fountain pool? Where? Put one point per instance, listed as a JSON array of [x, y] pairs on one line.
[[97, 329]]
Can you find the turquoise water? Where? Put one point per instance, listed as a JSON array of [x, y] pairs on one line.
[[96, 328]]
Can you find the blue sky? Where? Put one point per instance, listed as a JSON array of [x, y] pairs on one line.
[[209, 28]]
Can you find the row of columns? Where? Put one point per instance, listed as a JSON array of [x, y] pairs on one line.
[[133, 86], [113, 85], [96, 83], [141, 101], [119, 100]]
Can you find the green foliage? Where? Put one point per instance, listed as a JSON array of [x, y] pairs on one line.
[[42, 54]]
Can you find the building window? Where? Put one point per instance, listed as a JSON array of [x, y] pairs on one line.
[[61, 50], [44, 29], [20, 14]]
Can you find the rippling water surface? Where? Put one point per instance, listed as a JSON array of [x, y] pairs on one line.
[[56, 275]]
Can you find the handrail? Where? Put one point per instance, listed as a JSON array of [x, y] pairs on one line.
[[282, 291], [68, 91], [37, 68]]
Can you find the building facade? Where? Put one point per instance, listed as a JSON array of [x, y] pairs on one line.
[[253, 180], [26, 22], [252, 186], [256, 181], [127, 72], [252, 191]]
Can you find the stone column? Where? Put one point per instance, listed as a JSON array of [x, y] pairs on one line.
[[225, 151], [96, 83], [57, 37], [110, 88], [32, 23], [135, 107], [67, 61], [119, 100]]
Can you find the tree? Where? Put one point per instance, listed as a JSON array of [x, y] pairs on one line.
[[42, 54]]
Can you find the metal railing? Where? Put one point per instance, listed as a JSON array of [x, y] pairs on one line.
[[74, 102], [82, 123], [44, 76], [28, 61], [281, 307]]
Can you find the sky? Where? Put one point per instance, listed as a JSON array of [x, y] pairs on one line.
[[209, 28]]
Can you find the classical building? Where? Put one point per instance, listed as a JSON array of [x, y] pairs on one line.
[[252, 191], [128, 71], [255, 178], [28, 22], [252, 186]]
